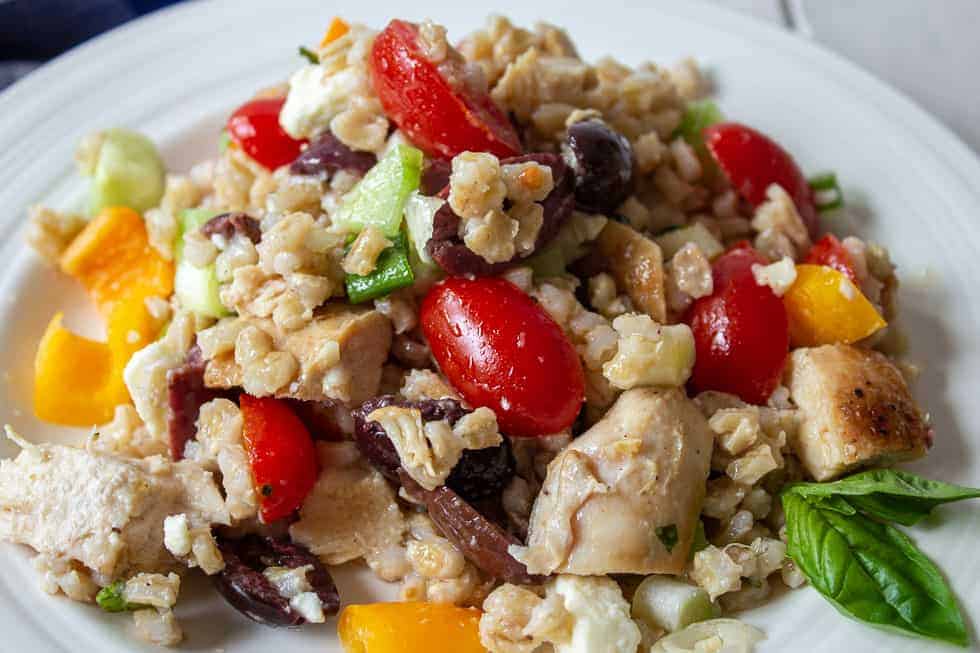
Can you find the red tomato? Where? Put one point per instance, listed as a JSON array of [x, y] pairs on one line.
[[736, 263], [433, 105], [282, 455], [255, 128], [753, 161], [830, 252], [501, 350], [741, 333]]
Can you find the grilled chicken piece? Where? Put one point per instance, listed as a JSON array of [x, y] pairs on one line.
[[855, 411], [636, 263], [105, 512], [625, 496], [363, 335]]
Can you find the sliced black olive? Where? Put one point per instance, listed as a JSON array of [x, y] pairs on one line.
[[246, 588]]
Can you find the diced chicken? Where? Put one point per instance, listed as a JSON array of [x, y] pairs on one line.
[[855, 410], [105, 512], [625, 496], [636, 263], [363, 337], [351, 511]]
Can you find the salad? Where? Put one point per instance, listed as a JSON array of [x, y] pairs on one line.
[[554, 346]]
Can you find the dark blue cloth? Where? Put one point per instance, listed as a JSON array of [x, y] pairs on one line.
[[33, 31]]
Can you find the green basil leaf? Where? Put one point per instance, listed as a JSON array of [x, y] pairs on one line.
[[890, 494], [871, 571]]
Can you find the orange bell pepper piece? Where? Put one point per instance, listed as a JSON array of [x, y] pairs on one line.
[[410, 628], [337, 28], [112, 258], [824, 307], [78, 381]]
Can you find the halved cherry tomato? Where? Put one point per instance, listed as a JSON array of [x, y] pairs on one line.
[[500, 349], [753, 162], [830, 252], [434, 105], [281, 453], [254, 127], [741, 333]]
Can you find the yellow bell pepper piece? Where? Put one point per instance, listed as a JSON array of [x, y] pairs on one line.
[[69, 372], [78, 381], [337, 28], [824, 307], [112, 258], [410, 628]]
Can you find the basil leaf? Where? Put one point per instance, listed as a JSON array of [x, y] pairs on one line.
[[871, 571], [890, 494]]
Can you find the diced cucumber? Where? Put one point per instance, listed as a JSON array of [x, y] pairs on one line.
[[128, 172], [670, 604], [728, 635], [420, 213], [391, 272], [698, 115], [379, 198], [672, 241], [196, 288]]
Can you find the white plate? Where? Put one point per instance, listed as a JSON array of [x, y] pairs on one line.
[[175, 75]]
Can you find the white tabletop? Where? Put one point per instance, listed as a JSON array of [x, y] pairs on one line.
[[928, 49]]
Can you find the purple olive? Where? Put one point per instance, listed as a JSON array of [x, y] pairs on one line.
[[186, 393], [482, 473], [483, 542], [228, 224], [448, 250], [327, 155], [246, 588], [479, 474], [602, 161]]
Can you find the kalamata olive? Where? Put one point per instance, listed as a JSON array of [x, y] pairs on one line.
[[325, 420], [186, 393], [435, 176], [479, 474], [483, 543], [602, 161], [447, 248], [327, 155], [246, 588], [228, 224], [482, 473]]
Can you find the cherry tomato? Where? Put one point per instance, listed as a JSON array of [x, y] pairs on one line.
[[753, 161], [741, 333], [735, 263], [434, 105], [500, 349], [830, 252], [281, 453], [254, 127]]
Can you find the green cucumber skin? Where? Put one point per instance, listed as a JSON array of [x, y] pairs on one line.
[[196, 288]]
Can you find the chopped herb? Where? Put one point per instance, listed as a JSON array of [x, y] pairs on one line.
[[310, 55], [110, 598], [826, 191], [267, 490], [667, 536]]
